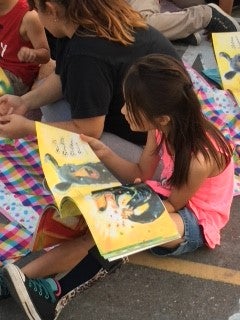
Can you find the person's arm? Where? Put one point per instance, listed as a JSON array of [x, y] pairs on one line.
[[49, 91], [198, 172], [123, 169], [32, 30], [226, 5], [17, 126]]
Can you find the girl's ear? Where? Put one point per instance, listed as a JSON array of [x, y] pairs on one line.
[[51, 9], [164, 120]]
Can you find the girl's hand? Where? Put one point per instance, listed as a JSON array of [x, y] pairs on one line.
[[26, 54], [11, 104], [137, 180], [101, 150], [16, 126]]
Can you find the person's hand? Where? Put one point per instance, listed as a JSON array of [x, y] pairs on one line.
[[98, 147], [26, 54], [16, 126], [12, 104]]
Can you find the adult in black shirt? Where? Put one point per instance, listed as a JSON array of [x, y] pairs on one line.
[[92, 56]]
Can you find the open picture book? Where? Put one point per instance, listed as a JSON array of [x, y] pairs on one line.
[[227, 53], [123, 219]]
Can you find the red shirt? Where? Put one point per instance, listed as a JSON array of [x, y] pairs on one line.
[[11, 42]]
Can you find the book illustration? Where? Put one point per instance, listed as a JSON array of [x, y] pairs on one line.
[[71, 167], [70, 173], [52, 229], [5, 85], [234, 64], [122, 219], [226, 48], [127, 219], [136, 202]]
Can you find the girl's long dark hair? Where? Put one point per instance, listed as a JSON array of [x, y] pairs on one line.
[[114, 20], [158, 85]]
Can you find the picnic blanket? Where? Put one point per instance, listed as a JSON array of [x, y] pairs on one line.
[[222, 110], [23, 196]]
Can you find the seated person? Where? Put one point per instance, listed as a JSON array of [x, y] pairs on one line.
[[24, 44], [84, 93], [185, 24]]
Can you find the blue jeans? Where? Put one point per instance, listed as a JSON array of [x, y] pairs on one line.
[[193, 236]]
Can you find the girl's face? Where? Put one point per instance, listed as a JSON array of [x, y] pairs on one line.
[[145, 126]]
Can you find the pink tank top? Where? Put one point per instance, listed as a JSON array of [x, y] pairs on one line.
[[210, 204], [11, 41]]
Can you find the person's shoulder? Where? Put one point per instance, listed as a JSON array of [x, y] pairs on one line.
[[150, 31], [31, 17], [151, 36], [155, 42], [31, 22], [202, 166], [97, 47]]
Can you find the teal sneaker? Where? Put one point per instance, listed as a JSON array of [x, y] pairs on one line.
[[4, 292], [36, 297]]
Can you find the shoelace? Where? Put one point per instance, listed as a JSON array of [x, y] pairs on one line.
[[42, 288], [3, 288]]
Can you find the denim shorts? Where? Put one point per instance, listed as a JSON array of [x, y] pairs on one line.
[[193, 236]]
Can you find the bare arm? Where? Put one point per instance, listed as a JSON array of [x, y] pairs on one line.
[[49, 91], [33, 31], [198, 172], [18, 126], [126, 170]]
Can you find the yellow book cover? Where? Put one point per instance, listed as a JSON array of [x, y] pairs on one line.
[[227, 52], [5, 85], [123, 219]]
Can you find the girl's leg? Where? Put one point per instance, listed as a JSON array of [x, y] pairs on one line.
[[190, 231], [177, 219], [60, 259], [43, 299]]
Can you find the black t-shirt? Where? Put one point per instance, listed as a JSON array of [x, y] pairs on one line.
[[92, 71], [52, 44]]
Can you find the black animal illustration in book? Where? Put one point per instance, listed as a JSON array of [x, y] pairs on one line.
[[138, 203], [88, 173], [234, 64]]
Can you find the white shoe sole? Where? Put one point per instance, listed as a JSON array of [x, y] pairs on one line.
[[19, 291], [236, 24]]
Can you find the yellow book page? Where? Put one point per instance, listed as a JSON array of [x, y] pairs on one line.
[[5, 85], [227, 53], [70, 166], [127, 218]]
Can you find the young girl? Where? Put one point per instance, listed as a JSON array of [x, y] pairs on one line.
[[24, 44], [196, 167], [196, 182]]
